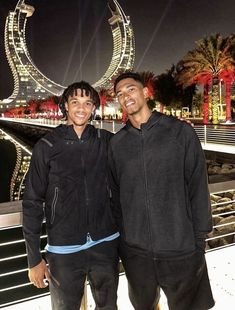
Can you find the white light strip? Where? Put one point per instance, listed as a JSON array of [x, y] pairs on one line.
[[20, 240], [221, 247], [16, 256], [12, 242], [24, 299], [15, 141], [14, 287], [221, 236], [226, 224], [9, 227], [222, 203], [13, 272], [221, 214], [12, 257]]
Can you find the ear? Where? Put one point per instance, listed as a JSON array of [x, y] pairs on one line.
[[93, 109], [146, 92], [66, 106]]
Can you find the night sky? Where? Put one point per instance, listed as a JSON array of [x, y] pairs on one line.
[[71, 40]]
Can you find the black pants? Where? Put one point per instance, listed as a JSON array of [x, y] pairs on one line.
[[184, 281], [69, 271]]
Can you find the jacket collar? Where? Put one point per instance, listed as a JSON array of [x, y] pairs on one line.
[[154, 118], [70, 134]]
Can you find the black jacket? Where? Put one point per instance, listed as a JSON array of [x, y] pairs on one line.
[[69, 176], [160, 174]]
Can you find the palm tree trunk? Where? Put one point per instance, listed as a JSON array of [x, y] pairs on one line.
[[215, 100], [102, 110], [206, 104], [228, 100]]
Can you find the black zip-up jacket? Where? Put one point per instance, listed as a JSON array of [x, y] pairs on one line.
[[159, 187], [68, 176]]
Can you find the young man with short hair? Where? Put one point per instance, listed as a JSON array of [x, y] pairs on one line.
[[161, 203]]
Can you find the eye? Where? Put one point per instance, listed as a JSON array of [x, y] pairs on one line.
[[119, 95], [89, 103]]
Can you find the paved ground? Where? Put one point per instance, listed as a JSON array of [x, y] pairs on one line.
[[221, 266]]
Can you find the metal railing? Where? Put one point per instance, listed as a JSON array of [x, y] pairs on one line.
[[14, 284], [216, 134], [223, 214]]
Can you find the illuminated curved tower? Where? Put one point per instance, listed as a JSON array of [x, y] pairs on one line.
[[30, 83], [123, 45]]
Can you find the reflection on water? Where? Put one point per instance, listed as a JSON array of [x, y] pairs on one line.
[[15, 159]]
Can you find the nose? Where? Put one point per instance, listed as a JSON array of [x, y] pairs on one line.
[[126, 95], [81, 105]]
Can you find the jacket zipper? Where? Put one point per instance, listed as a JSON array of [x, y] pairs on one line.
[[88, 237], [86, 188], [54, 204], [146, 192]]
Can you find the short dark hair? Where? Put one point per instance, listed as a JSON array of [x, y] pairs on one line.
[[72, 89], [133, 75]]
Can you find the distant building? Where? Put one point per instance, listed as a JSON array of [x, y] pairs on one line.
[[30, 83], [123, 46]]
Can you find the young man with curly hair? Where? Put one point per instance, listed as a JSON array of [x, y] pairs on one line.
[[67, 184]]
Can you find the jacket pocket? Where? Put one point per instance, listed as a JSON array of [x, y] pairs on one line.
[[54, 202]]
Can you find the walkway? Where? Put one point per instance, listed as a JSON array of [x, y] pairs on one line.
[[221, 266]]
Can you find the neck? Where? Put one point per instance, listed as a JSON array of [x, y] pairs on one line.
[[139, 118], [78, 128]]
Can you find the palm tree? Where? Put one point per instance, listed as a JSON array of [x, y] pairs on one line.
[[227, 78], [105, 97], [166, 90], [205, 64], [149, 79], [197, 103], [33, 107], [49, 106]]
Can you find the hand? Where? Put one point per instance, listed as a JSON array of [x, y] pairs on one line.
[[39, 274]]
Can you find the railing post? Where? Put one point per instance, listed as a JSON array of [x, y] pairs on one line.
[[205, 133]]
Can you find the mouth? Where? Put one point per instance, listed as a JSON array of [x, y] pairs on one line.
[[80, 115], [129, 103]]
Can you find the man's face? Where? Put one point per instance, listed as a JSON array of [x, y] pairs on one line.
[[79, 109], [131, 95]]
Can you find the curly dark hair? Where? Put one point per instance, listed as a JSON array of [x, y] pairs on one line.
[[72, 90], [133, 75]]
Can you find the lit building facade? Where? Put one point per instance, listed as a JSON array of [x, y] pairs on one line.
[[30, 83], [123, 46], [22, 162]]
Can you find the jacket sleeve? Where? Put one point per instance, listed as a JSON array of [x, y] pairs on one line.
[[115, 192], [33, 202], [197, 184]]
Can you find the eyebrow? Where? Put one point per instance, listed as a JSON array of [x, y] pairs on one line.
[[77, 98], [127, 86]]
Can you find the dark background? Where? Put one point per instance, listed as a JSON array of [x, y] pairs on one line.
[[7, 165], [71, 40]]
